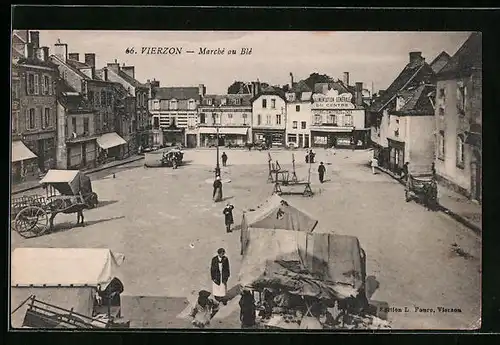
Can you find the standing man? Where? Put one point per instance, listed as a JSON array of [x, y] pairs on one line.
[[220, 272], [228, 216], [374, 163], [217, 193], [224, 159], [321, 172], [404, 172]]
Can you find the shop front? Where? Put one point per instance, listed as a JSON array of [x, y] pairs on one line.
[[299, 140], [396, 155], [228, 136], [112, 147], [24, 163], [340, 137], [81, 155], [173, 136], [272, 137]]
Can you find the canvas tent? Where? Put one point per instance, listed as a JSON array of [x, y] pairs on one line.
[[65, 277], [275, 213], [325, 266]]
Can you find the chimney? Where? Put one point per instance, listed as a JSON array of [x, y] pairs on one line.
[[35, 39], [415, 56], [28, 50], [90, 59], [129, 70], [61, 50], [42, 53], [105, 74], [201, 90], [358, 96], [346, 79], [291, 80], [74, 56], [114, 66]]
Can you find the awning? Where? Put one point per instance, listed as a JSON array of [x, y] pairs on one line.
[[109, 140], [332, 129], [224, 130], [21, 152]]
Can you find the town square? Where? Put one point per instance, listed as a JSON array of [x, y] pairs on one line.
[[350, 207]]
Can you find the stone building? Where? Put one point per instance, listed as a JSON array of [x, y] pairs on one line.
[[458, 120], [269, 116], [33, 124], [298, 110]]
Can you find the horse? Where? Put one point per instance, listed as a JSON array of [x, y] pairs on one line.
[[68, 205]]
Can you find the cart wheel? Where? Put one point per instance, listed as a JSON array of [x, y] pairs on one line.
[[407, 196], [31, 221]]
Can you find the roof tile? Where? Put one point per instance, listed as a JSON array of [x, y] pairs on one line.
[[177, 93]]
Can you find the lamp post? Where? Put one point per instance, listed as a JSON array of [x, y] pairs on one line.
[[217, 166]]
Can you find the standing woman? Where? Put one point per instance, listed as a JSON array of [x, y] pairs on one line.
[[217, 193], [228, 216], [247, 309], [219, 271]]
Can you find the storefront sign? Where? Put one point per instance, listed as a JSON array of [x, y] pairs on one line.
[[332, 100]]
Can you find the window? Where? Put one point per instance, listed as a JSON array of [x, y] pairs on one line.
[[442, 94], [273, 103], [202, 118], [110, 98], [461, 98], [97, 101], [30, 119], [46, 118], [244, 118], [144, 100], [37, 88], [268, 119], [303, 125], [104, 100], [264, 103], [278, 119], [15, 90], [333, 119], [45, 86], [460, 151], [91, 97], [259, 119], [73, 122], [294, 124], [297, 108], [292, 138], [86, 126], [348, 120], [191, 104], [156, 104], [317, 119], [173, 104], [15, 121], [156, 122], [30, 84], [441, 145]]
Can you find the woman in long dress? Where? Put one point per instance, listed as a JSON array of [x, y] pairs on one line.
[[204, 310], [220, 272], [217, 193]]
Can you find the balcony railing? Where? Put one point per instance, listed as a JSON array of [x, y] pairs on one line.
[[77, 137]]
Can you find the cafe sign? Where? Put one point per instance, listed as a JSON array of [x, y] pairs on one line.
[[332, 100]]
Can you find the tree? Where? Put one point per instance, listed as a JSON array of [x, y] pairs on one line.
[[235, 87], [317, 78]]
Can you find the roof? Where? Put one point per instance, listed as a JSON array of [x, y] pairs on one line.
[[217, 100], [336, 85], [56, 176], [64, 267], [417, 101], [20, 152], [176, 93], [269, 92], [440, 61], [301, 86], [77, 64], [76, 70], [109, 140], [71, 99], [36, 62], [132, 81], [468, 56], [408, 74], [321, 265]]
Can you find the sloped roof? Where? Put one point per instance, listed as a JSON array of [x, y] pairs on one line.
[[36, 62], [468, 56], [301, 86], [217, 99], [132, 81], [337, 85], [77, 64], [70, 98], [417, 101], [121, 90], [410, 71], [74, 69], [440, 61], [176, 93], [271, 91]]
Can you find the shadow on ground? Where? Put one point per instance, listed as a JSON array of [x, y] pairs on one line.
[[61, 227], [103, 203]]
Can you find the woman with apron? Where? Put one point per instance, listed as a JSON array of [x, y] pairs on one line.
[[219, 271]]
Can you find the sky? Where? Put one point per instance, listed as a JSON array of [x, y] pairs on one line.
[[369, 57]]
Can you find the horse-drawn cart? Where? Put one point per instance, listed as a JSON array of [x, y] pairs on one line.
[[171, 158], [421, 186], [67, 191]]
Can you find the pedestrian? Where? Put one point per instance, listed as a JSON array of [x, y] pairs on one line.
[[228, 216], [353, 144], [433, 169], [374, 164], [224, 159], [321, 172], [220, 272], [247, 309], [204, 310], [404, 171], [217, 193]]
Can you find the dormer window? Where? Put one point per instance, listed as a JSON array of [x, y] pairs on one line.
[[223, 101], [191, 104], [208, 101], [156, 104], [173, 104]]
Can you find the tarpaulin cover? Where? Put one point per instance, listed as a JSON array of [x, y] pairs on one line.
[[68, 182], [110, 140], [276, 213], [321, 265], [64, 267], [21, 152], [78, 298]]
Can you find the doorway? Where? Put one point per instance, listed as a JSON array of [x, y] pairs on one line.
[[476, 176]]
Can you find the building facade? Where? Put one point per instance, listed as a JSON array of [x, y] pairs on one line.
[[390, 149], [174, 114], [76, 136], [458, 120], [269, 118], [140, 120], [338, 117], [100, 94], [230, 114], [298, 119], [33, 108]]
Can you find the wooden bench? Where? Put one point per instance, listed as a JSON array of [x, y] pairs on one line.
[[307, 191]]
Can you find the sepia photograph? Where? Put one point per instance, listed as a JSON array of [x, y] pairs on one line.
[[245, 180]]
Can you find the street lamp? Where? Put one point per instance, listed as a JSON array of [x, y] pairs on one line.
[[217, 166]]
